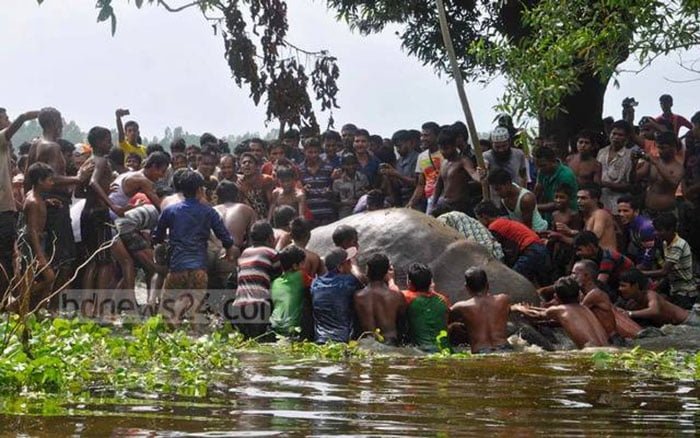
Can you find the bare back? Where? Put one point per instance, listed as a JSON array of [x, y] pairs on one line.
[[580, 324], [49, 152], [378, 307], [600, 304], [602, 224], [485, 317], [661, 194], [313, 265], [237, 218]]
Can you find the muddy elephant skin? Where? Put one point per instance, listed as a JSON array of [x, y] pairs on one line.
[[407, 236]]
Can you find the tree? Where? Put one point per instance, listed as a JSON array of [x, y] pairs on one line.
[[260, 57], [558, 56]]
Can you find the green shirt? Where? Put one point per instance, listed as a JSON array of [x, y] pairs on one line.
[[287, 293], [427, 317], [562, 175]]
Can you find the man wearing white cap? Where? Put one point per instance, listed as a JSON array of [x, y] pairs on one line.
[[503, 156]]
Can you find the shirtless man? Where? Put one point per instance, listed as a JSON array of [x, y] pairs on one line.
[[95, 223], [585, 272], [126, 185], [282, 217], [596, 219], [46, 149], [484, 316], [458, 185], [664, 174], [647, 305], [377, 306], [584, 164], [578, 321], [300, 232]]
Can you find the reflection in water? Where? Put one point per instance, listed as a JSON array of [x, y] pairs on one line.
[[507, 395]]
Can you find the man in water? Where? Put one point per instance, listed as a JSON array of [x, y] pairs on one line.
[[484, 316], [378, 307], [585, 273], [426, 310]]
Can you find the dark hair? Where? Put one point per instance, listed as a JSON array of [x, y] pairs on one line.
[[447, 136], [177, 176], [567, 290], [376, 140], [210, 149], [432, 127], [291, 134], [331, 135], [362, 133], [590, 266], [158, 160], [48, 116], [154, 147], [261, 232], [283, 215], [343, 233], [259, 141], [307, 131], [208, 155], [375, 199], [585, 238], [421, 276], [348, 159], [178, 155], [312, 142], [476, 280], [248, 155], [97, 134], [500, 177], [189, 182], [666, 137], [588, 134], [564, 188], [241, 149], [227, 191], [290, 256], [377, 267], [634, 276], [349, 126], [207, 138], [592, 189], [178, 145], [135, 156], [66, 146], [116, 155], [486, 208], [400, 136], [622, 124], [666, 98], [633, 201], [164, 191], [414, 134], [545, 153], [37, 172], [299, 229], [131, 124], [284, 172], [461, 129], [665, 222], [24, 148], [695, 118]]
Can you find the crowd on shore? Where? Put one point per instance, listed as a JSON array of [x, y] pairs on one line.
[[603, 226]]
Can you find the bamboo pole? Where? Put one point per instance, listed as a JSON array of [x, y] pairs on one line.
[[459, 82]]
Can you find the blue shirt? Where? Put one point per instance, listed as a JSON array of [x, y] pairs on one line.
[[644, 247], [334, 312], [190, 223], [371, 169]]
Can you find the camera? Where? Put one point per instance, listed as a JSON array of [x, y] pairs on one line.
[[629, 102]]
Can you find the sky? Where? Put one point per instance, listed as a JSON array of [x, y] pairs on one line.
[[169, 70]]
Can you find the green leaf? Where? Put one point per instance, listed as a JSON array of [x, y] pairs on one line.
[[105, 13], [139, 3]]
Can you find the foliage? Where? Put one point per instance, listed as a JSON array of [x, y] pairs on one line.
[[667, 364], [260, 57], [544, 48]]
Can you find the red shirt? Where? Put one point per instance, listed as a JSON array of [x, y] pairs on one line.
[[514, 231]]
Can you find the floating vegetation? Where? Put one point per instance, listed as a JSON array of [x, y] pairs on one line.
[[666, 364]]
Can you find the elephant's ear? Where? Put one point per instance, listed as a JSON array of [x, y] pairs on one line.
[[448, 269]]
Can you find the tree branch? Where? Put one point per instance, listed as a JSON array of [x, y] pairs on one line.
[[169, 8]]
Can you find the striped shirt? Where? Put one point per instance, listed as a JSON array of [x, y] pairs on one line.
[[257, 266], [319, 194], [681, 277]]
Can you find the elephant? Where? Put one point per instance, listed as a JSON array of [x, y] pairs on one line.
[[407, 236]]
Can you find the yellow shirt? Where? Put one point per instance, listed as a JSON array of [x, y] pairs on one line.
[[128, 148]]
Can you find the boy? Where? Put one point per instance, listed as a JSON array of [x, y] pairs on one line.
[[457, 187], [564, 215], [584, 163], [300, 233], [40, 180], [426, 310], [258, 265], [677, 270], [316, 178], [578, 321], [484, 316], [288, 194], [289, 295], [379, 307], [128, 135], [647, 305], [349, 187], [189, 223], [332, 298]]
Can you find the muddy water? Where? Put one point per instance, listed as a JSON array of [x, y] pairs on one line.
[[516, 395]]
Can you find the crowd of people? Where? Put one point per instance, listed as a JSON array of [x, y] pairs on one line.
[[605, 228]]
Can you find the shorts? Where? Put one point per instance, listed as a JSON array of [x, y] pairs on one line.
[[183, 295], [134, 241], [8, 237], [534, 264], [60, 242], [96, 230]]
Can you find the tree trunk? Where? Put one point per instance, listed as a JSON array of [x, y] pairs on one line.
[[584, 110]]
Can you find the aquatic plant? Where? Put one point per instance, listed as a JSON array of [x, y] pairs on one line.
[[667, 364]]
